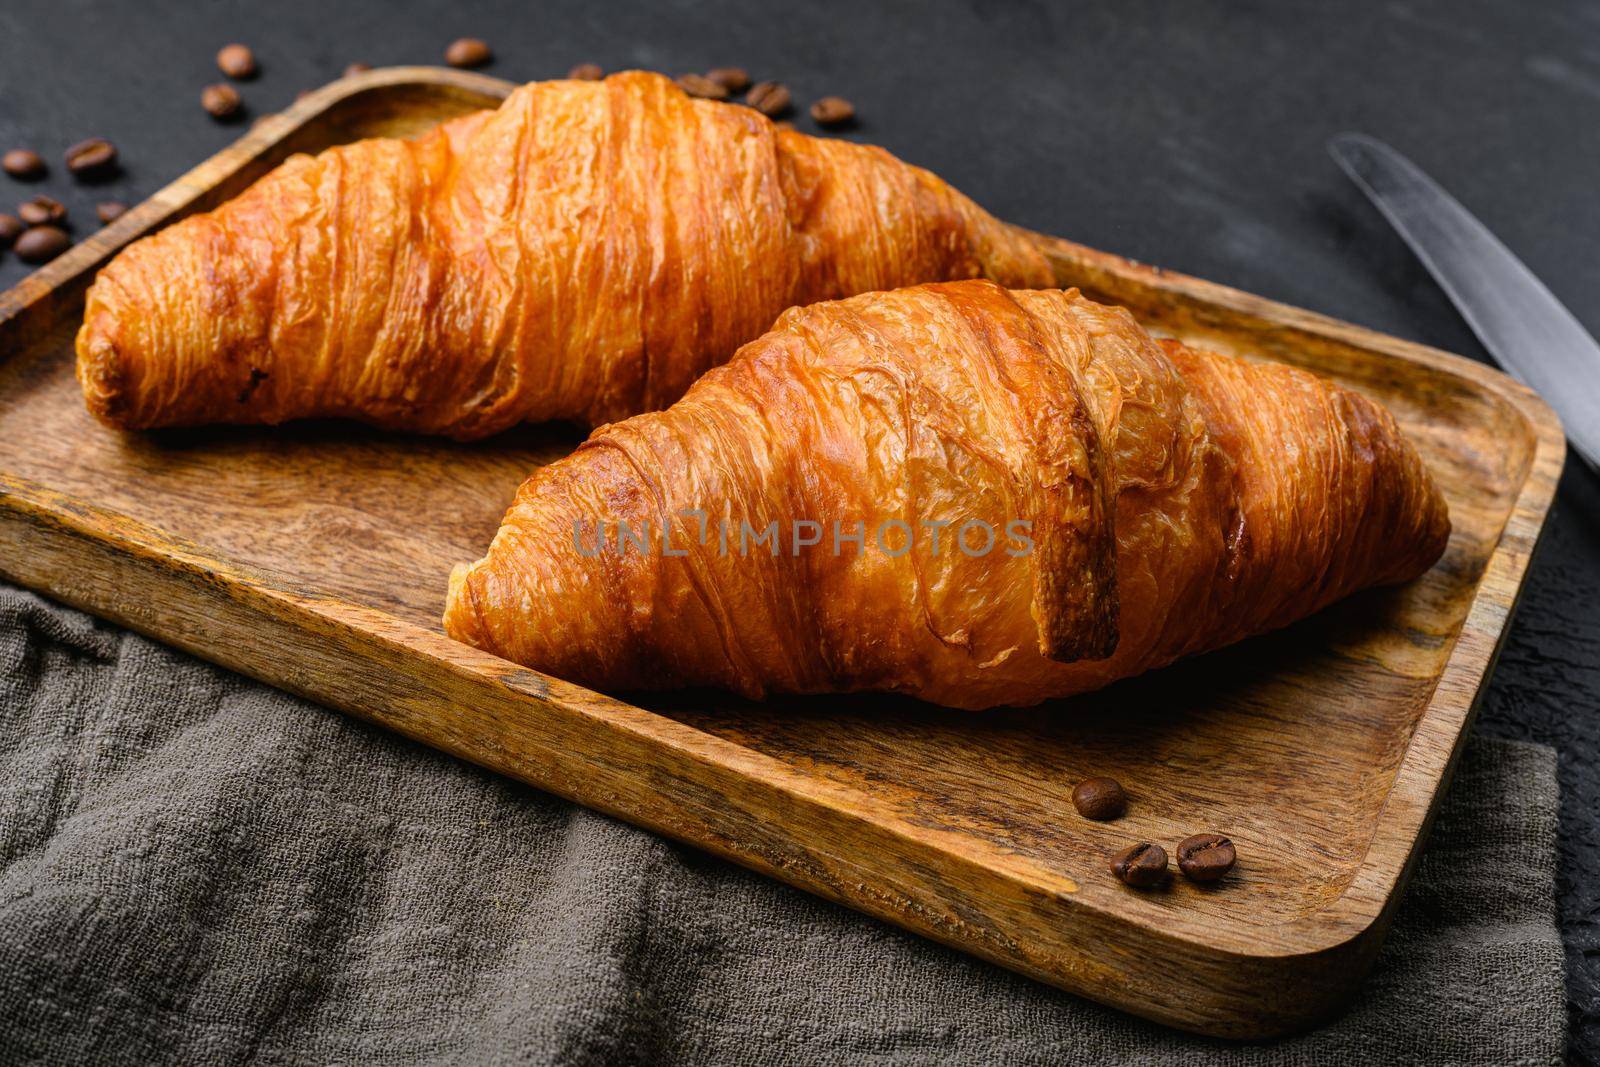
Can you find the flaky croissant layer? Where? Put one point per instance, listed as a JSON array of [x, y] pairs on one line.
[[584, 252], [1173, 501]]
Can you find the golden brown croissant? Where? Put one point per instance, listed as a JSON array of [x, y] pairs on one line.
[[1139, 500], [584, 252]]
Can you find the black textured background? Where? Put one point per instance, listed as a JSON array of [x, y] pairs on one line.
[[1189, 135]]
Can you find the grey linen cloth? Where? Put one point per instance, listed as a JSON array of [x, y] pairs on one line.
[[196, 868]]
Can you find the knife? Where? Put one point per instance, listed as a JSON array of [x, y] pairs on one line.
[[1519, 321]]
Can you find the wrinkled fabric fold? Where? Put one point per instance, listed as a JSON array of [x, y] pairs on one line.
[[197, 868]]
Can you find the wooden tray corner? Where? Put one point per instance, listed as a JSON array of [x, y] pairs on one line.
[[315, 558]]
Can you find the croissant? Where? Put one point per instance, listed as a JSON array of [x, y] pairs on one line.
[[584, 252], [1107, 504]]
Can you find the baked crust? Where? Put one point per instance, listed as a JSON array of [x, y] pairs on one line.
[[1178, 500], [583, 252]]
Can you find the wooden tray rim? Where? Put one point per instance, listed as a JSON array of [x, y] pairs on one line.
[[1359, 909]]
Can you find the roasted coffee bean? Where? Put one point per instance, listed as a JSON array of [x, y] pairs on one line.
[[42, 211], [1141, 866], [23, 163], [702, 86], [468, 52], [10, 229], [110, 211], [1205, 857], [1099, 799], [769, 98], [221, 101], [238, 62], [833, 111], [42, 244], [732, 79], [586, 72], [93, 159], [357, 68]]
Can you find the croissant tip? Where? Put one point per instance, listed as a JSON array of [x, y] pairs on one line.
[[102, 374], [463, 613], [455, 608]]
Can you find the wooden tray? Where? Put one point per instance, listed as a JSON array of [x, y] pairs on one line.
[[315, 558]]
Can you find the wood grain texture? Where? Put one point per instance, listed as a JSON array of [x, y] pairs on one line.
[[315, 558]]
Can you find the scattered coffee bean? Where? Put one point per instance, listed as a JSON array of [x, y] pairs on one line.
[[238, 62], [586, 72], [833, 111], [92, 160], [1205, 857], [357, 68], [42, 244], [10, 229], [1099, 799], [769, 98], [702, 86], [110, 211], [1142, 866], [23, 163], [732, 79], [42, 211], [468, 52], [220, 101]]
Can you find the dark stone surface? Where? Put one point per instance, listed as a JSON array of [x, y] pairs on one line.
[[1186, 135]]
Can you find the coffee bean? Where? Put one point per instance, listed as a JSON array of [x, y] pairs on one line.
[[833, 111], [10, 229], [467, 52], [92, 160], [42, 211], [769, 98], [110, 211], [220, 101], [1205, 857], [702, 86], [586, 72], [42, 244], [238, 62], [1141, 866], [732, 79], [23, 163], [1099, 799], [357, 68]]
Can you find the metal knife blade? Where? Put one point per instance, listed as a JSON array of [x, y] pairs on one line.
[[1518, 320]]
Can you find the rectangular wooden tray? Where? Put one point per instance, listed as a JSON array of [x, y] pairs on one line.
[[314, 557]]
